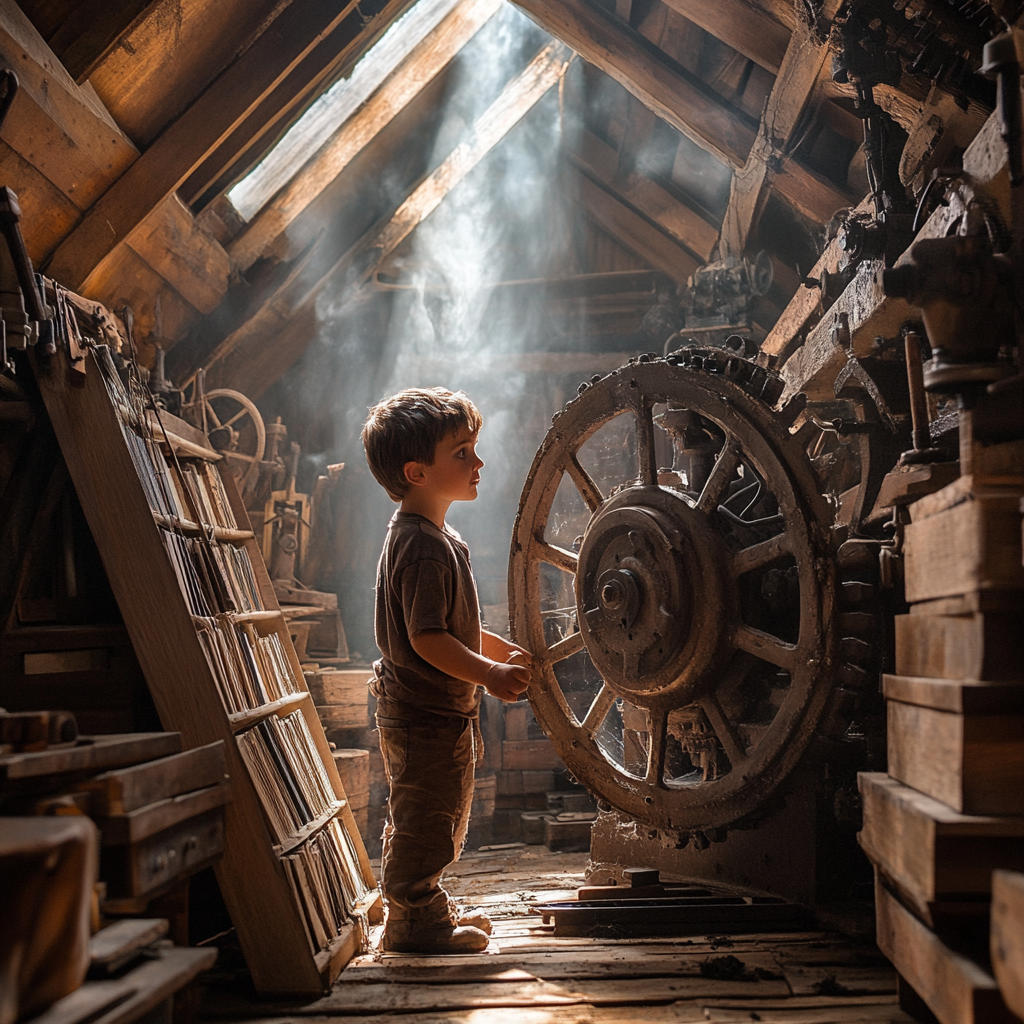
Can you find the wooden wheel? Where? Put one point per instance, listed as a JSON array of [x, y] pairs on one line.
[[681, 619], [232, 419]]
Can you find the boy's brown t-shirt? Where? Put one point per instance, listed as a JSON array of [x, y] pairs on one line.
[[424, 582]]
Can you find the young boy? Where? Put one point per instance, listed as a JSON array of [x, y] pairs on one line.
[[421, 446]]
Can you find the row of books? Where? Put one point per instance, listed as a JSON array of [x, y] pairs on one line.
[[215, 578], [327, 882], [200, 493], [288, 774], [249, 669]]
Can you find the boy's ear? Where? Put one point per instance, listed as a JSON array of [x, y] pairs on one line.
[[414, 475]]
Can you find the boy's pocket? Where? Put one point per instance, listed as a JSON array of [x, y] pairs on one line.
[[394, 747]]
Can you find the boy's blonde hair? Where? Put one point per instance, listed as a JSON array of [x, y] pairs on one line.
[[408, 426]]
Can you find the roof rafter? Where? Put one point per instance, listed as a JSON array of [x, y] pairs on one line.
[[621, 54], [414, 73], [360, 261], [801, 68], [224, 105]]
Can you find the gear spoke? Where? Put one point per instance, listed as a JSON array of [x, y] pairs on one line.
[[598, 710], [646, 454], [657, 745], [724, 730], [758, 555], [589, 491], [722, 473], [565, 648], [240, 456], [558, 557], [765, 646]]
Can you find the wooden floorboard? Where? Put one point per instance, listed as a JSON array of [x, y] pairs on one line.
[[528, 976]]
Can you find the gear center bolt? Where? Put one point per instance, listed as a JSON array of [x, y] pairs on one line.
[[647, 586]]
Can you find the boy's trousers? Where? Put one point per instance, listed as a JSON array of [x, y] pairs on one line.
[[430, 774]]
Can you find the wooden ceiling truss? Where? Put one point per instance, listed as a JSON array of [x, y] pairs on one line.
[[134, 118]]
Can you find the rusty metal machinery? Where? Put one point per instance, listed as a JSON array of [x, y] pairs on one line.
[[693, 634]]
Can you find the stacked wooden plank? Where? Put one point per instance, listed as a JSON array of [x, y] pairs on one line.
[[951, 809]]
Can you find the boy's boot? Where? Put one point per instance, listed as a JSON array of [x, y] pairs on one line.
[[402, 937], [478, 919]]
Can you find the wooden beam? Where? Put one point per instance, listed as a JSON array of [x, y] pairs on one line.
[[359, 262], [794, 86], [182, 146], [89, 30], [629, 228], [406, 82], [745, 25], [56, 126], [624, 56], [247, 144], [597, 161], [684, 104], [511, 106]]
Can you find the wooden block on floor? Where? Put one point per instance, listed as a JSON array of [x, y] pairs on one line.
[[956, 989], [569, 832], [339, 686], [354, 769], [933, 854], [535, 755], [973, 545], [1007, 946], [484, 790], [343, 716], [989, 647], [973, 763]]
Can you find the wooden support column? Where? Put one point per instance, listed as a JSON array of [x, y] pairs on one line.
[[296, 31], [683, 103], [794, 86], [410, 78]]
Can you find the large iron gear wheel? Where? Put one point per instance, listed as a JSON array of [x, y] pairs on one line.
[[682, 621]]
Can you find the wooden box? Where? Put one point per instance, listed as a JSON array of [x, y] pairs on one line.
[[341, 697], [955, 988], [962, 539], [961, 743], [933, 854], [354, 769], [989, 647]]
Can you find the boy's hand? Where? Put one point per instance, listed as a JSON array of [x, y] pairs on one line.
[[497, 648], [508, 681]]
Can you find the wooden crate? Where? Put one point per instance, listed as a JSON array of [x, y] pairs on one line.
[[971, 760], [932, 854], [989, 647], [341, 697], [955, 988], [963, 539]]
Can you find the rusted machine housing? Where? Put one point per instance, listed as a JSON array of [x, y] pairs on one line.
[[707, 556]]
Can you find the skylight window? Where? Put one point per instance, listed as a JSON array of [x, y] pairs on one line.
[[336, 106]]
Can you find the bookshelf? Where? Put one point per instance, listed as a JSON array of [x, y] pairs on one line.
[[214, 646]]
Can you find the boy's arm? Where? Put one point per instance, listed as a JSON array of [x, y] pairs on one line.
[[448, 655], [497, 648]]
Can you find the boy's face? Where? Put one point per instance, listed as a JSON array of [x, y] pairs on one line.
[[455, 472]]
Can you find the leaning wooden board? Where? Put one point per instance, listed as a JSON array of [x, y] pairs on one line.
[[148, 590]]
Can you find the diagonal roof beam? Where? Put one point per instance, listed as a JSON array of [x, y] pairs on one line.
[[515, 101], [295, 34], [623, 55], [434, 52], [801, 67], [744, 25], [360, 261]]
